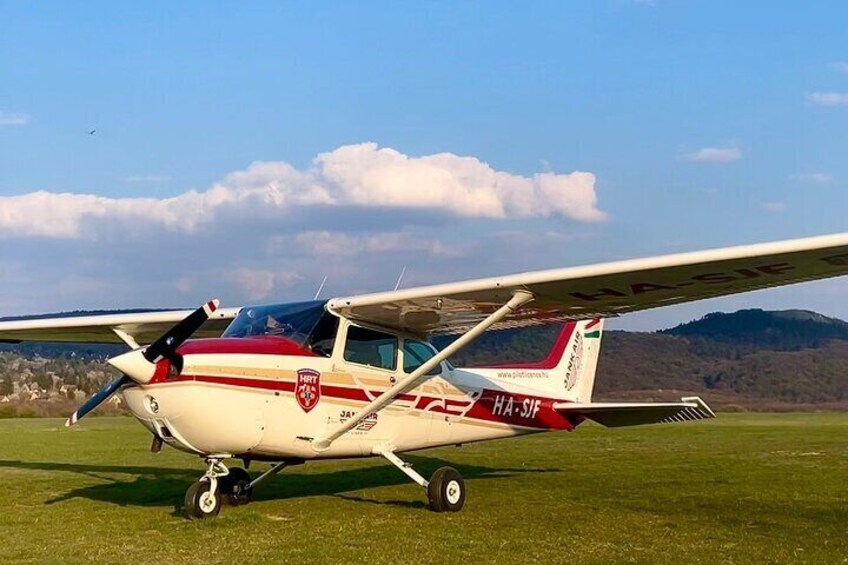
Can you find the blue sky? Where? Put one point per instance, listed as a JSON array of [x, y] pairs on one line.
[[704, 124]]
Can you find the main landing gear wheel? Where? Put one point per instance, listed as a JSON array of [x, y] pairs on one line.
[[202, 501], [235, 487], [446, 490]]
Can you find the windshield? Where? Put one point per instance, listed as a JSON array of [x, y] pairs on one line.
[[294, 321]]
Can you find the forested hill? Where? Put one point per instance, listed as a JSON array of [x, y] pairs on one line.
[[752, 358], [786, 330]]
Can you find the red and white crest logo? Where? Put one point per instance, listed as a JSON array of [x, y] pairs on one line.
[[308, 388]]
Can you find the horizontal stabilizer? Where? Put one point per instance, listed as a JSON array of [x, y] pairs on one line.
[[619, 414]]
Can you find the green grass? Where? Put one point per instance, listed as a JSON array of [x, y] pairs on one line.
[[740, 489]]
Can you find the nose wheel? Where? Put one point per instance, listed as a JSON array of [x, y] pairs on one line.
[[220, 485], [202, 501]]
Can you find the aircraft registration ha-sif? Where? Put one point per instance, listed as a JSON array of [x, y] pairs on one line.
[[356, 376]]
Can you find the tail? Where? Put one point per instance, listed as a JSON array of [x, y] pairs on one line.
[[569, 369]]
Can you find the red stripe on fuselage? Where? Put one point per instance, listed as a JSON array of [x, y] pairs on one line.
[[261, 345], [492, 405]]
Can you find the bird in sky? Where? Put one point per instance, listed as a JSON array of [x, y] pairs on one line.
[[92, 132]]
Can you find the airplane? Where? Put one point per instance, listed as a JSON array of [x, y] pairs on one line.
[[357, 376]]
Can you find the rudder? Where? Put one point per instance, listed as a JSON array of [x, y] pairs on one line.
[[571, 363]]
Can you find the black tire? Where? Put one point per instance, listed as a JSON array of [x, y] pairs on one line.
[[446, 490], [235, 487], [201, 502]]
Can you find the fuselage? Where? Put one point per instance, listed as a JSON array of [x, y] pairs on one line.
[[268, 397]]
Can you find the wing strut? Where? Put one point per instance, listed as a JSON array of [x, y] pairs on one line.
[[519, 299]]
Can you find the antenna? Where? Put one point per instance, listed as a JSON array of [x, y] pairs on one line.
[[400, 278], [320, 288]]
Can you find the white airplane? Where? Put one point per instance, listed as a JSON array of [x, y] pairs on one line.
[[356, 376]]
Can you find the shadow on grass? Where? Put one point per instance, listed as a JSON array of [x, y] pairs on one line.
[[155, 486]]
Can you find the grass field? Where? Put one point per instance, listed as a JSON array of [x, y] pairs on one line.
[[740, 489]]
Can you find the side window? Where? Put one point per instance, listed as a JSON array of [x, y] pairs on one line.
[[415, 354], [323, 336], [370, 347]]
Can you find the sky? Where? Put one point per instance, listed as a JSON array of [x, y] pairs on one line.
[[159, 154]]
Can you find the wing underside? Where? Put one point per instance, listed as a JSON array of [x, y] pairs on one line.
[[143, 327], [603, 290], [576, 293]]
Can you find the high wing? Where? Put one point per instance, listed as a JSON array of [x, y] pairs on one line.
[[602, 290], [142, 328], [620, 414]]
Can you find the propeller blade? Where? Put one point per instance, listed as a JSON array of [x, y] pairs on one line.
[[141, 364], [97, 399], [166, 346]]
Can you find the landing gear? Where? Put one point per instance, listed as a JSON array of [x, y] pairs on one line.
[[220, 485], [445, 489], [201, 501], [203, 498]]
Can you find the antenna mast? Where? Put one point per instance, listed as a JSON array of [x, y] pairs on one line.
[[400, 278], [320, 288]]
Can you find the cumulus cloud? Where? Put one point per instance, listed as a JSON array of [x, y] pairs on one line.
[[340, 243], [828, 98], [13, 119], [259, 284], [715, 155], [256, 283], [362, 175]]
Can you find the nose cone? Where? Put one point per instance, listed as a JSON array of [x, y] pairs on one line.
[[135, 366]]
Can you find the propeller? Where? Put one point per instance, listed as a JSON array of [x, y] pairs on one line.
[[97, 398], [140, 364], [166, 346]]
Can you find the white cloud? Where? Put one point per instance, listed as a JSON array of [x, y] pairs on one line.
[[259, 284], [815, 178], [828, 98], [774, 207], [340, 243], [715, 155], [13, 119], [256, 284], [363, 175]]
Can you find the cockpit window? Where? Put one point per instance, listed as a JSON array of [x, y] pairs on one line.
[[415, 354], [323, 336], [294, 321], [370, 347]]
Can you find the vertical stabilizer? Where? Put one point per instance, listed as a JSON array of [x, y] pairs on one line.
[[585, 368], [568, 372]]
